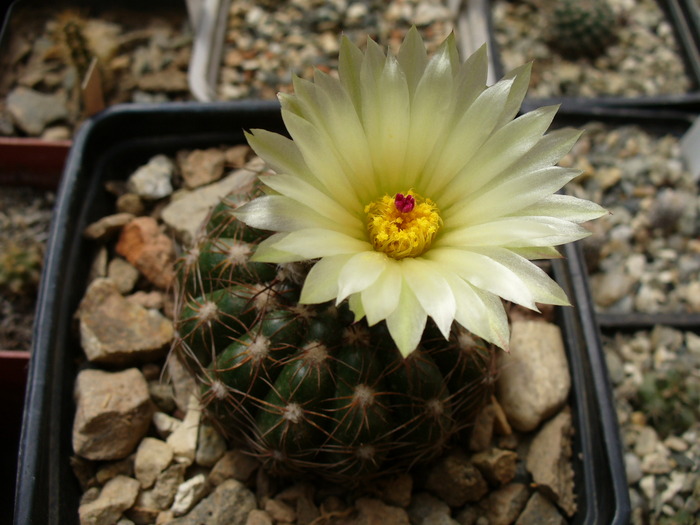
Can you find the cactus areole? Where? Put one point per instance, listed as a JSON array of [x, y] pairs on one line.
[[407, 191]]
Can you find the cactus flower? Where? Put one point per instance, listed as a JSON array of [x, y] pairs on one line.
[[416, 191]]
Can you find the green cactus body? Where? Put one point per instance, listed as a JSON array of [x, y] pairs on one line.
[[305, 388], [581, 28]]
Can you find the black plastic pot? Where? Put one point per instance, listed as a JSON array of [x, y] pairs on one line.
[[685, 20], [110, 147]]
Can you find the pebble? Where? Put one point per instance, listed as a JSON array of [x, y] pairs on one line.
[[143, 244], [118, 495], [210, 446], [548, 460], [229, 504], [534, 381], [33, 111], [456, 480], [183, 440], [153, 180], [113, 412], [143, 334], [202, 167], [185, 214], [188, 494], [152, 457]]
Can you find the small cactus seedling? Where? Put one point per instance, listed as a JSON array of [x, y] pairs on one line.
[[581, 28]]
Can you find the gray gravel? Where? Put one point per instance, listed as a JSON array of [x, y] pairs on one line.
[[644, 61], [645, 256]]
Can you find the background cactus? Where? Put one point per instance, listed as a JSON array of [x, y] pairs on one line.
[[581, 28], [305, 388]]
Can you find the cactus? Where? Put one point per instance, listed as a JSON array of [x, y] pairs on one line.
[[20, 268], [581, 28], [670, 399], [304, 388]]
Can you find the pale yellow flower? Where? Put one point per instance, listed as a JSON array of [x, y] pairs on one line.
[[417, 192]]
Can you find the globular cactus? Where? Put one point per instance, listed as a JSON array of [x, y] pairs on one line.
[[581, 28], [670, 399], [305, 388]]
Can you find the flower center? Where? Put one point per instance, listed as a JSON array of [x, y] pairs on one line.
[[402, 226]]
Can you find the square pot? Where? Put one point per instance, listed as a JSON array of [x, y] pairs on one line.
[[679, 19], [110, 147]]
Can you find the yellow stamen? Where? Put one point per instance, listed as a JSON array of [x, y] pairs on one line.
[[402, 225]]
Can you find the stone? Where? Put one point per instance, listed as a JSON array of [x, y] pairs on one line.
[[258, 517], [374, 512], [118, 332], [549, 461], [610, 287], [182, 381], [482, 431], [145, 510], [107, 226], [496, 465], [455, 480], [280, 511], [184, 439], [116, 496], [152, 457], [152, 252], [426, 509], [503, 506], [153, 180], [130, 203], [534, 382], [210, 446], [229, 504], [165, 488], [169, 80], [162, 395], [234, 464], [395, 490], [33, 111], [113, 412], [123, 467], [185, 214], [165, 424], [188, 494], [541, 511], [201, 167], [122, 274]]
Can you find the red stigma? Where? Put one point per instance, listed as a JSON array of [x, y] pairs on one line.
[[404, 203]]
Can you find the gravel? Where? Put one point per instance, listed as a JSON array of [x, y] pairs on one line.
[[644, 61]]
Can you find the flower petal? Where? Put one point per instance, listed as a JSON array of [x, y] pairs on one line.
[[565, 207], [508, 197], [542, 287], [278, 213], [266, 251], [319, 156], [313, 243], [360, 272], [309, 197], [515, 232], [501, 150], [321, 283], [462, 141], [486, 273], [480, 312], [407, 322], [382, 297], [431, 290]]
